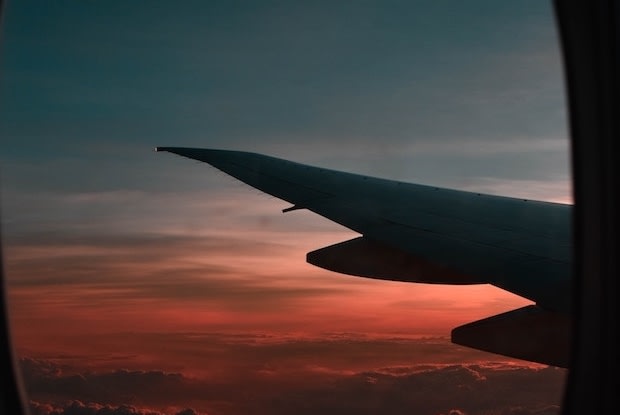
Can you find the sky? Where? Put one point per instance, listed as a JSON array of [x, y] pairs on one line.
[[142, 282]]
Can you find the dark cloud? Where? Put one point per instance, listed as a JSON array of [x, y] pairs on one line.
[[157, 242], [126, 249], [472, 389], [154, 266], [116, 387], [79, 408], [229, 356], [309, 377]]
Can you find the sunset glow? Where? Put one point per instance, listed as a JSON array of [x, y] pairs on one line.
[[144, 283]]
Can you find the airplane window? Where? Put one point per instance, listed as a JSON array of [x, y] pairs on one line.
[[147, 283]]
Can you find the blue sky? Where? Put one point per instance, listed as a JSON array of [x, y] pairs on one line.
[[432, 91], [465, 96]]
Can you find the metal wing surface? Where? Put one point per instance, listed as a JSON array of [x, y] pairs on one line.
[[418, 233]]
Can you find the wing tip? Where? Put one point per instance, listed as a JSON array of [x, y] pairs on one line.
[[159, 148], [206, 155], [181, 151]]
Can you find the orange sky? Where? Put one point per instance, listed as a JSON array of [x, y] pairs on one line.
[[212, 292], [233, 272]]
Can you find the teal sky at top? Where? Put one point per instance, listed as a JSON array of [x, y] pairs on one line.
[[100, 83]]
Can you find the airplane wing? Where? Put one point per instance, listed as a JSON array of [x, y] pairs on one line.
[[417, 233]]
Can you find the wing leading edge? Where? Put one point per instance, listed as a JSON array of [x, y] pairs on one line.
[[419, 233]]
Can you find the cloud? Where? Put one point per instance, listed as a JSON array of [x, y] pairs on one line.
[[152, 264], [79, 408], [104, 280], [472, 389], [310, 376], [86, 295], [117, 387]]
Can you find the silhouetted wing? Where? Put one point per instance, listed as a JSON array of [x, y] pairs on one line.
[[418, 233], [529, 333]]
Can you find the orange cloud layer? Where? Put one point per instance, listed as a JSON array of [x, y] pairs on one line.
[[169, 283]]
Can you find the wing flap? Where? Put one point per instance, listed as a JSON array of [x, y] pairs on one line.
[[363, 257], [528, 333]]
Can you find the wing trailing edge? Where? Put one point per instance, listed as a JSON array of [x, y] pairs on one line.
[[363, 257], [528, 333]]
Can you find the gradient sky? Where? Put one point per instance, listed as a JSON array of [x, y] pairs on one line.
[[132, 264]]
